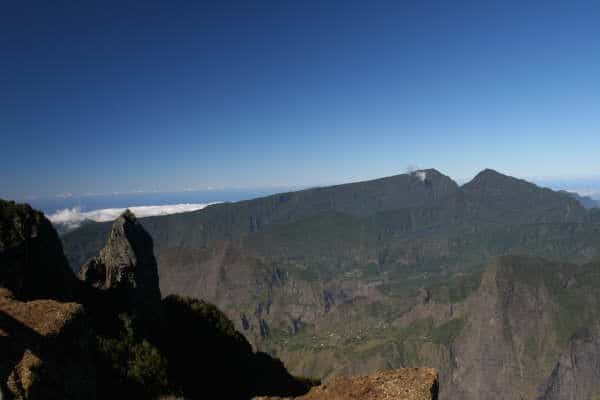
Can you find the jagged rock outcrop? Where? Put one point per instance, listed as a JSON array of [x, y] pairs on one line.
[[127, 267], [32, 263], [45, 350], [576, 375], [401, 384]]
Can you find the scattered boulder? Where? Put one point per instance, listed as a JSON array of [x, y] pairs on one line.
[[24, 379]]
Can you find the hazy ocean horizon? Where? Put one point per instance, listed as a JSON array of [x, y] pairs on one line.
[[50, 205]]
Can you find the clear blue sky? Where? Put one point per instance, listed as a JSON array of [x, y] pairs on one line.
[[168, 95]]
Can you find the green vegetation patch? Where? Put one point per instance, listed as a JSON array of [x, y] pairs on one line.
[[131, 362]]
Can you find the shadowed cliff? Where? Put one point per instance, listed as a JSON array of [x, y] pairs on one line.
[[116, 338]]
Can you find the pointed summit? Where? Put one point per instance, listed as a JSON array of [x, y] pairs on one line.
[[490, 177], [128, 215], [498, 197], [126, 264]]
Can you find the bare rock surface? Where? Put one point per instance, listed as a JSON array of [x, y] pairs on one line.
[[400, 384], [576, 375], [127, 264]]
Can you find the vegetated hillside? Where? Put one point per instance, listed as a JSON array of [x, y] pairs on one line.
[[422, 204], [386, 273], [500, 198], [110, 335], [498, 336], [227, 221]]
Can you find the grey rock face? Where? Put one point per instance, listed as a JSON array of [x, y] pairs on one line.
[[126, 264], [576, 375], [506, 316]]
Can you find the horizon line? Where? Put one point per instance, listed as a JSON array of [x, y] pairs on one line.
[[537, 179]]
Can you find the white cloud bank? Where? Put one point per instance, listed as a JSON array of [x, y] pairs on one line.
[[71, 218]]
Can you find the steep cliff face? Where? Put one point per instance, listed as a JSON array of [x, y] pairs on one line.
[[576, 375], [126, 266], [32, 263], [499, 336], [510, 338]]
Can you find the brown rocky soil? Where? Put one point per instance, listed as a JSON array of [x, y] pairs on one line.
[[401, 384], [47, 318], [45, 349]]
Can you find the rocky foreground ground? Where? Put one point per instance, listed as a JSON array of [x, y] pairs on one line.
[[44, 341], [401, 384]]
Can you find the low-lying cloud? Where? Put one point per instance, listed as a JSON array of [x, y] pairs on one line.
[[422, 175], [71, 218]]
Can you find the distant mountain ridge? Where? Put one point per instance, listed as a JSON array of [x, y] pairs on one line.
[[511, 198], [411, 201], [350, 278]]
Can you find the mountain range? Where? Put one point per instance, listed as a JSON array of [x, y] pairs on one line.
[[494, 283]]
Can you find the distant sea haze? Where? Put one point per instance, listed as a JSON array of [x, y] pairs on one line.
[[71, 211]]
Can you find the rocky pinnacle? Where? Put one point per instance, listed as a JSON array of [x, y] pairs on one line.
[[127, 264]]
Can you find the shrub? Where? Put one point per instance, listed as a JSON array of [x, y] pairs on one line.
[[131, 363]]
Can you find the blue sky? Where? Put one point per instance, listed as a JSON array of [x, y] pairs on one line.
[[155, 95]]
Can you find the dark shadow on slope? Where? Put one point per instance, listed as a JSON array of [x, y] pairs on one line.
[[16, 337], [207, 357]]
